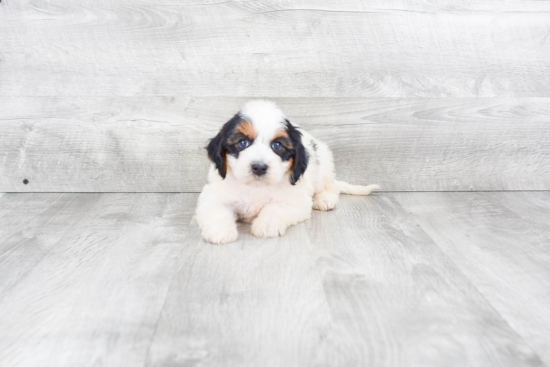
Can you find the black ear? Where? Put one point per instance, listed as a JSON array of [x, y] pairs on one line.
[[217, 148], [216, 153], [301, 157]]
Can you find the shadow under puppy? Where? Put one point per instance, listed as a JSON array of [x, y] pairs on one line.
[[268, 172]]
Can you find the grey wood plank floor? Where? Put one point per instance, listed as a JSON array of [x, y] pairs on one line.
[[395, 279]]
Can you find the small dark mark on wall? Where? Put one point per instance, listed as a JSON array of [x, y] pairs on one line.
[[25, 181]]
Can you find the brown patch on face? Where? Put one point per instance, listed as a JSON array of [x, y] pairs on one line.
[[291, 166], [281, 135], [244, 130], [247, 129], [224, 160]]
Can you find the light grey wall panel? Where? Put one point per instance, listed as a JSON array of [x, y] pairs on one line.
[[360, 69], [279, 48], [156, 143]]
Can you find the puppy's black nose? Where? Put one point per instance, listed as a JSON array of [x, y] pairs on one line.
[[259, 169]]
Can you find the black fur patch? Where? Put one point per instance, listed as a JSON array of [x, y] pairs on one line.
[[300, 156], [287, 148], [225, 142], [314, 145]]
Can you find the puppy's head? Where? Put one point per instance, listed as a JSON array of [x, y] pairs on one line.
[[259, 146]]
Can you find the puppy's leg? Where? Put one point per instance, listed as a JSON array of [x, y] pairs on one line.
[[326, 193], [326, 199], [216, 221], [275, 218]]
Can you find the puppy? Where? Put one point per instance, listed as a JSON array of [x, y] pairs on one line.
[[267, 172]]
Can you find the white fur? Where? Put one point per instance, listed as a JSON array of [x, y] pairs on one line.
[[270, 203]]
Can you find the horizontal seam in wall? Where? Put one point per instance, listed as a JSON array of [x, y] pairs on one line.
[[198, 192]]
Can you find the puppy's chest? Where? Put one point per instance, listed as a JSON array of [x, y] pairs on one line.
[[248, 204]]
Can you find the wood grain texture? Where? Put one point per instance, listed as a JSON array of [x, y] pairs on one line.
[[31, 227], [251, 303], [275, 48], [155, 144], [95, 297], [501, 242], [128, 281], [393, 291]]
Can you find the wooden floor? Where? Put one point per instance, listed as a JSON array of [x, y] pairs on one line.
[[395, 279]]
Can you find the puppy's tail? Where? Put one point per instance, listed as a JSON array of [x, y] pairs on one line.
[[346, 188]]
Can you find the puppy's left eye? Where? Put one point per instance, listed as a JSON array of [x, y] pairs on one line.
[[276, 145], [244, 143]]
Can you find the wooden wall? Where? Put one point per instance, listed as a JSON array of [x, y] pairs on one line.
[[412, 95]]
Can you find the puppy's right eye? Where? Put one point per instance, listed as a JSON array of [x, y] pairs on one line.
[[244, 143]]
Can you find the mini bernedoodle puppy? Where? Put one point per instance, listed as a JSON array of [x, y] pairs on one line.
[[268, 172]]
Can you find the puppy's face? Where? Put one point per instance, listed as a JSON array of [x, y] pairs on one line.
[[259, 147]]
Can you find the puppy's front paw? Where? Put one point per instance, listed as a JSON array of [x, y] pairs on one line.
[[221, 234], [268, 227], [325, 200]]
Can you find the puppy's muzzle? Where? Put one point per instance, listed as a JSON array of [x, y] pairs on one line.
[[259, 169]]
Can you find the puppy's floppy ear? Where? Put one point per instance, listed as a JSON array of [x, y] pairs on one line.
[[217, 148], [216, 153], [301, 158]]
